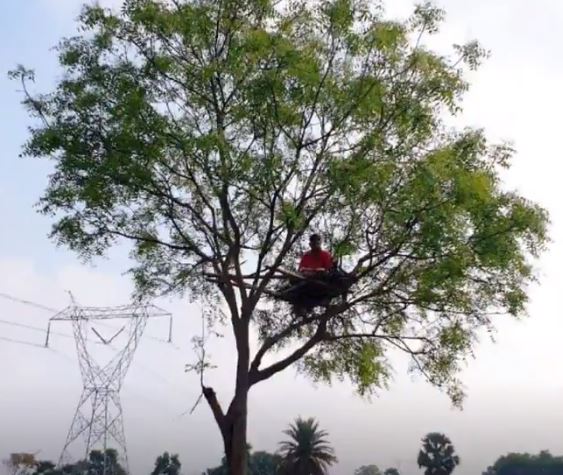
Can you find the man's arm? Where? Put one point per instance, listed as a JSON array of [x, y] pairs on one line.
[[302, 263], [328, 261]]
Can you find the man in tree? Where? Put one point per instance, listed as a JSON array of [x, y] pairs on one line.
[[209, 134], [317, 260], [318, 264]]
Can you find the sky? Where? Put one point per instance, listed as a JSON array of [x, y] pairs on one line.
[[514, 386]]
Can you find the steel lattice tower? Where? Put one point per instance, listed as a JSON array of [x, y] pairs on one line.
[[99, 416]]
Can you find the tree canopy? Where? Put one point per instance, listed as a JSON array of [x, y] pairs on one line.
[[527, 464], [437, 455], [213, 135], [367, 470], [93, 465], [21, 462], [167, 464], [264, 463], [258, 463]]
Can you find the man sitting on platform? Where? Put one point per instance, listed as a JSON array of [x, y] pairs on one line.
[[317, 260]]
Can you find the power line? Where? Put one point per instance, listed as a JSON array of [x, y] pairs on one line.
[[137, 393], [62, 354], [164, 381], [27, 302], [147, 369], [21, 342], [52, 310], [44, 307], [42, 330], [30, 327]]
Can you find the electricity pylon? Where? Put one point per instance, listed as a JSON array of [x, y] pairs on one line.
[[99, 416]]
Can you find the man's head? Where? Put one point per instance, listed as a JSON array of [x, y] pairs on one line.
[[315, 242]]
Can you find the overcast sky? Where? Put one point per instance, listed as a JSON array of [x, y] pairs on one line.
[[514, 387]]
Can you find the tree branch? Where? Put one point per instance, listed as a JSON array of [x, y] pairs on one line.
[[216, 409], [260, 375], [271, 341]]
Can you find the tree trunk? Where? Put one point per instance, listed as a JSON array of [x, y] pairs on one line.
[[234, 438], [232, 424], [236, 417]]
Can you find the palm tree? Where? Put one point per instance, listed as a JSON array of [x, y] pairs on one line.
[[437, 455], [307, 452]]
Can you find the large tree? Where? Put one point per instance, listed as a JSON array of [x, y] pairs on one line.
[[213, 134], [437, 455]]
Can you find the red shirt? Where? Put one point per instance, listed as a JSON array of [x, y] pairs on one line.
[[316, 260]]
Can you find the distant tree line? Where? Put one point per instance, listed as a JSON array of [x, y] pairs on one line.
[[527, 464], [306, 450], [27, 464]]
